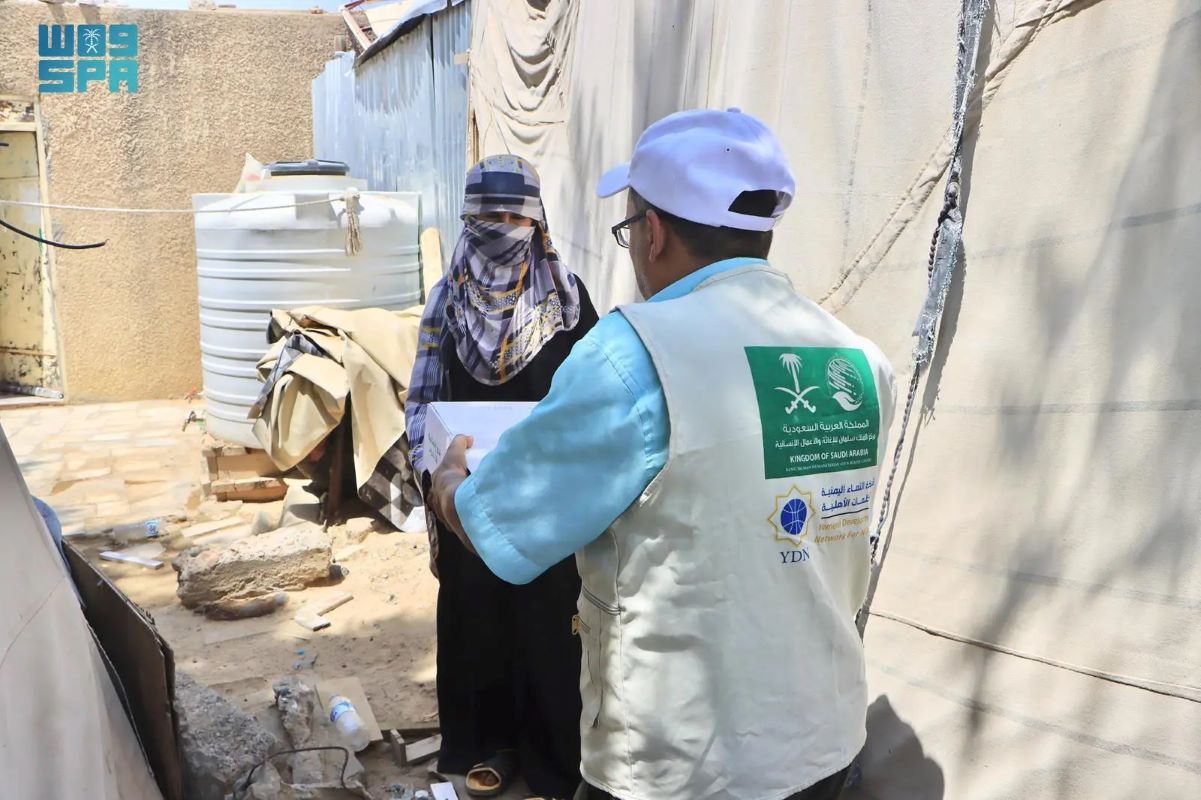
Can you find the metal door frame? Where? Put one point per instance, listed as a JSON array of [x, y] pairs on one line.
[[39, 142]]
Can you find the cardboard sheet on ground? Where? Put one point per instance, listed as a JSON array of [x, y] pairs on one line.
[[141, 664], [485, 422]]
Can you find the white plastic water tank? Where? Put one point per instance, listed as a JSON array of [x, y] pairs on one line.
[[251, 261]]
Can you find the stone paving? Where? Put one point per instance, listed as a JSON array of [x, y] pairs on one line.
[[109, 464]]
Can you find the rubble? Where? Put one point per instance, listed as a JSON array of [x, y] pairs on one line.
[[307, 725], [286, 559], [267, 785], [220, 744], [355, 530], [265, 521], [256, 489], [245, 609]]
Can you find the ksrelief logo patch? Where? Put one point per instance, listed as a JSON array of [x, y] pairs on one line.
[[818, 409]]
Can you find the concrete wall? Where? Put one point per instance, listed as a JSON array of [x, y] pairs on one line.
[[213, 86]]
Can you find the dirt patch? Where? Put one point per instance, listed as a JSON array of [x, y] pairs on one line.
[[385, 636]]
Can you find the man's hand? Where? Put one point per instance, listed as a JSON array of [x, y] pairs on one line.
[[445, 482]]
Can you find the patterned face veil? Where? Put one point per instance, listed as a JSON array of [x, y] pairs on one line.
[[507, 291]]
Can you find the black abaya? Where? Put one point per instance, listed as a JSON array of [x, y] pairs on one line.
[[508, 662]]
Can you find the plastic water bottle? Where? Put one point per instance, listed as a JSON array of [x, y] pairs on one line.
[[348, 722], [150, 529]]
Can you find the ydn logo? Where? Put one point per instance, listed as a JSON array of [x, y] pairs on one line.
[[73, 56]]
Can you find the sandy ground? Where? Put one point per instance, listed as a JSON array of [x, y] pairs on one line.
[[116, 463], [106, 465], [385, 636], [110, 464]]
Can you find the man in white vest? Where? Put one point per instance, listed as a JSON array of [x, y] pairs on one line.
[[711, 455]]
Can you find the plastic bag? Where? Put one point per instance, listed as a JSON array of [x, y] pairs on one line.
[[252, 173]]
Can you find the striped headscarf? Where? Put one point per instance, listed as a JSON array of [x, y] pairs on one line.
[[506, 293]]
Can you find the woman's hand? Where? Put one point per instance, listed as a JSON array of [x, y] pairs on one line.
[[445, 482]]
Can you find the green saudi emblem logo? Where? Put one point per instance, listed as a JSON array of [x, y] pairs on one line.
[[846, 387], [818, 409]]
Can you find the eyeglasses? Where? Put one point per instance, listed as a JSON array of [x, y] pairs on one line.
[[621, 231]]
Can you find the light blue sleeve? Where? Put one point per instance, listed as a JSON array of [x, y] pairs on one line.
[[558, 479]]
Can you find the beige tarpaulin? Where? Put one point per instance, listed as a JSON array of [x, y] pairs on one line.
[[371, 353], [63, 732], [1039, 609], [325, 359]]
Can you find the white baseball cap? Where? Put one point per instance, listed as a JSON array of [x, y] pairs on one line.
[[696, 164]]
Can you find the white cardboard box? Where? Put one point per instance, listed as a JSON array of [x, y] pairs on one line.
[[485, 422]]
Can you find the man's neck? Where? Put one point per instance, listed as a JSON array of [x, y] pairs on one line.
[[681, 271]]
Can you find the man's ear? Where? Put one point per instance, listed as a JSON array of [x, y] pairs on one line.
[[658, 235]]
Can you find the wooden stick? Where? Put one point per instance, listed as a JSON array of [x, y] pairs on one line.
[[311, 616], [355, 30], [431, 260], [398, 748]]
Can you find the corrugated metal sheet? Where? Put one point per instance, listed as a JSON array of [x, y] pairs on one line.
[[408, 12], [451, 34], [400, 119]]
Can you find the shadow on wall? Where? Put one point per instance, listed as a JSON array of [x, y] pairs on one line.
[[949, 322], [1128, 443], [1146, 282], [893, 764]]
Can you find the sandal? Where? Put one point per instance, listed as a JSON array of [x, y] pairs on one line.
[[502, 766]]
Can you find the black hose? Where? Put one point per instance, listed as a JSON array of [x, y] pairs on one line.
[[239, 789], [63, 245]]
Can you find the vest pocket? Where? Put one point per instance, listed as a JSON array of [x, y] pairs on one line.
[[590, 685], [601, 605], [593, 623]]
